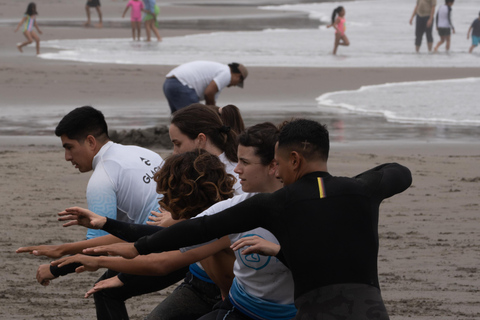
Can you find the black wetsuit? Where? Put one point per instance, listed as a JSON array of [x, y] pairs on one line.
[[327, 227]]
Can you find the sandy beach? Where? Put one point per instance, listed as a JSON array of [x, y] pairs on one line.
[[429, 235]]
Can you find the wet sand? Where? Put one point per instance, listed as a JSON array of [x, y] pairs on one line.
[[429, 236]]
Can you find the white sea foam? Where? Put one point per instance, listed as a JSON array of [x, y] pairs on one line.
[[435, 102]]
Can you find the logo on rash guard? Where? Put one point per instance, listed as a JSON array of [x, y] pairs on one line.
[[254, 260], [149, 175]]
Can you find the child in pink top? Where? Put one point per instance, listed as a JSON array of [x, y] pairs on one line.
[[338, 22], [135, 16]]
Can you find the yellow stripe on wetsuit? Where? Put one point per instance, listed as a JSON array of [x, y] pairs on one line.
[[321, 188]]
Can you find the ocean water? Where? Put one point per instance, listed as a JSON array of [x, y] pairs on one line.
[[380, 36], [378, 30]]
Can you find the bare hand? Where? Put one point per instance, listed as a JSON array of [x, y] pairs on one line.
[[429, 23], [126, 250], [112, 282], [51, 251], [82, 217], [89, 263], [161, 219], [256, 245], [44, 276]]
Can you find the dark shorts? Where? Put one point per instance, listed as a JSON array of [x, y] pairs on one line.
[[93, 3], [443, 32]]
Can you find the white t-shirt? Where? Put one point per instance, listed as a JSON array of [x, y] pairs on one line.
[[198, 75], [121, 186], [443, 17], [263, 277]]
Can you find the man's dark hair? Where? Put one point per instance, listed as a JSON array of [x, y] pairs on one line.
[[262, 137], [234, 67], [81, 122], [307, 137]]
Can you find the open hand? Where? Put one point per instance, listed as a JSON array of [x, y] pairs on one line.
[[112, 282], [126, 250], [89, 263], [161, 219], [51, 251], [82, 217], [256, 245]]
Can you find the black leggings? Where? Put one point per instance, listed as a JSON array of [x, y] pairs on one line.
[[421, 28], [110, 303]]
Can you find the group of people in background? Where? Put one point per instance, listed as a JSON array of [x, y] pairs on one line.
[[424, 12], [149, 8]]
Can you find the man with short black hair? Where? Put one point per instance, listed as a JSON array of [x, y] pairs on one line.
[[121, 186]]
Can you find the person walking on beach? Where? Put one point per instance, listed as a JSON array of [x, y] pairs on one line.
[[444, 24], [135, 17], [29, 21], [475, 31], [201, 80], [93, 4], [151, 24], [424, 11], [338, 23], [337, 278]]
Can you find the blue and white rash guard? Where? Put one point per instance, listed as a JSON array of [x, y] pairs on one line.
[[121, 186]]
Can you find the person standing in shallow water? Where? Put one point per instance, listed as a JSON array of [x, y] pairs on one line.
[[475, 31], [93, 4], [338, 23], [424, 12], [444, 24], [30, 21]]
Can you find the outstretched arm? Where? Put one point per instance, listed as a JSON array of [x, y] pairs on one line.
[[387, 179], [57, 251], [156, 264], [247, 215]]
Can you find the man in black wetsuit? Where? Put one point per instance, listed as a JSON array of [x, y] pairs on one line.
[[327, 226]]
